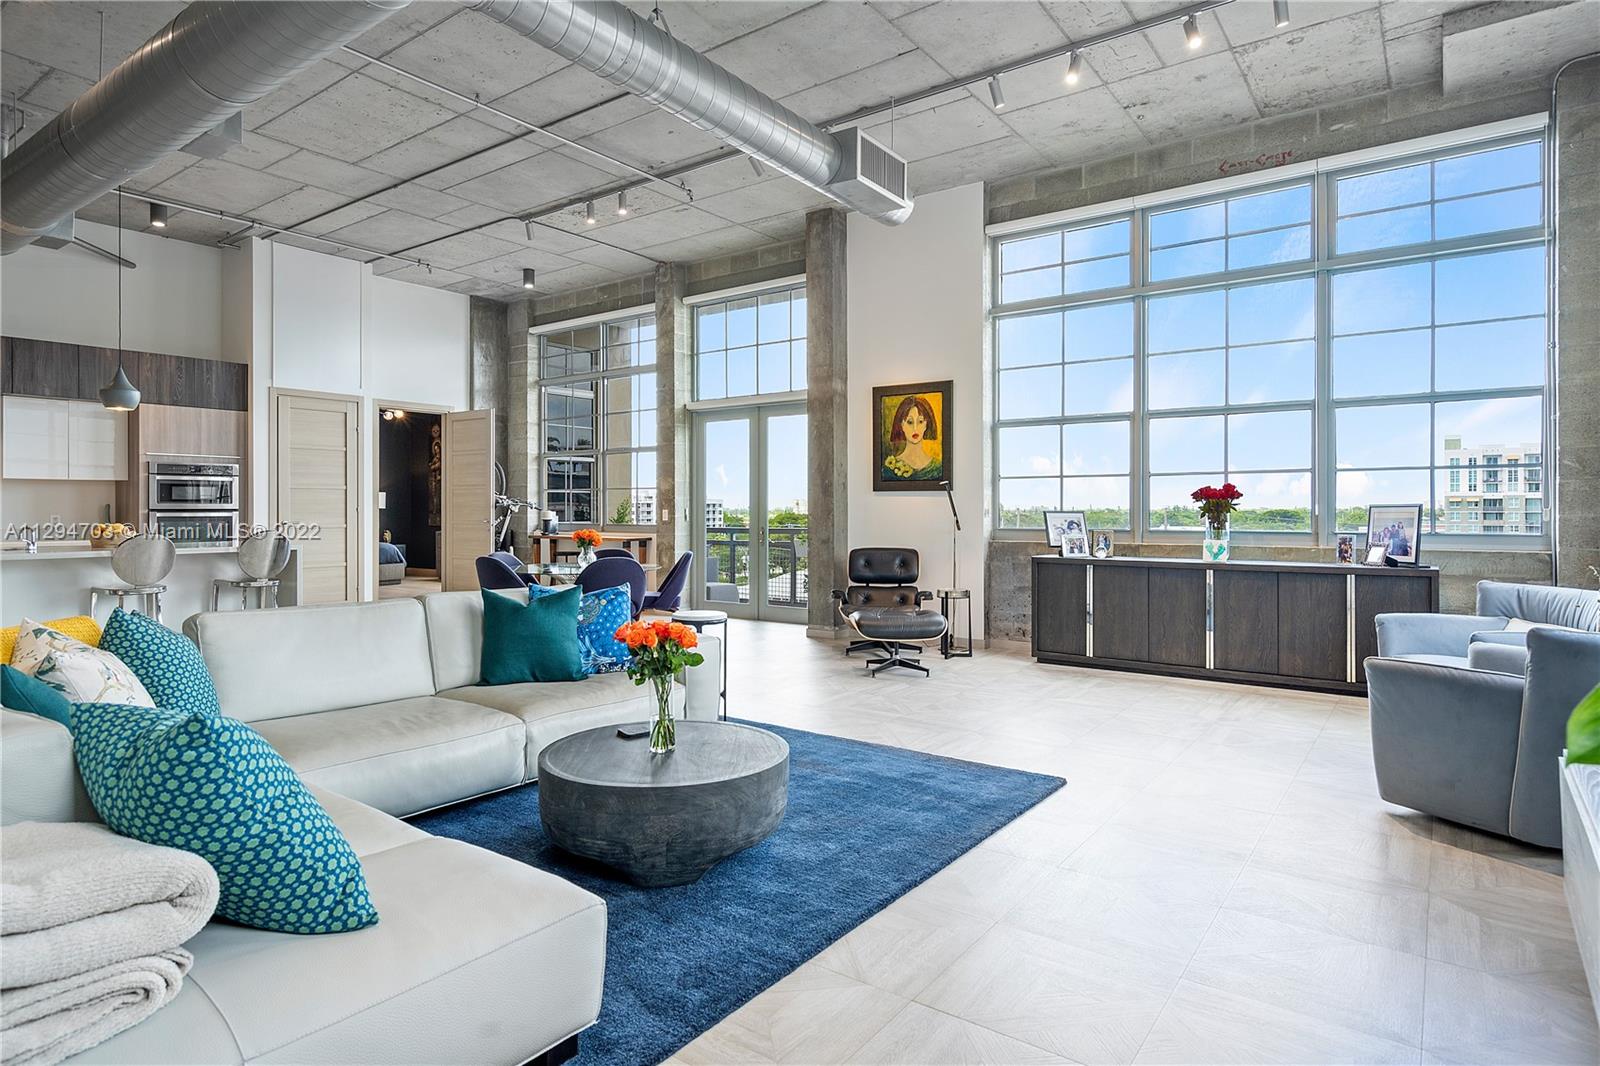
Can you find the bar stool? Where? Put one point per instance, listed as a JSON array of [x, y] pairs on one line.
[[143, 562], [262, 557], [698, 621]]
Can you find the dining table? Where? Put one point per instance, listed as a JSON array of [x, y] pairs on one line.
[[563, 573]]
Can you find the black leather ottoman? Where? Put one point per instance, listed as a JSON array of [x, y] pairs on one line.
[[890, 627]]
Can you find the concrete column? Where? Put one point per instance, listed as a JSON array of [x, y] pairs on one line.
[[826, 362], [1577, 458], [674, 390], [522, 419], [486, 327]]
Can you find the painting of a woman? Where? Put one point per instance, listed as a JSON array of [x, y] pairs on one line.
[[911, 436]]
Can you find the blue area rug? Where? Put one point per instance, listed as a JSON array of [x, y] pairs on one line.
[[865, 824]]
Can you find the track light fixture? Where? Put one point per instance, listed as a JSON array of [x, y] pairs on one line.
[[527, 228], [527, 278], [997, 95], [158, 216], [1191, 33], [623, 209], [755, 165], [1280, 13], [1074, 69], [588, 213]]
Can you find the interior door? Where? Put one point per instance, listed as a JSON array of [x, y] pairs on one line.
[[316, 475], [467, 515]]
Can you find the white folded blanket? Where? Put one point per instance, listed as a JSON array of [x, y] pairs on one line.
[[91, 925], [75, 897], [47, 1023]]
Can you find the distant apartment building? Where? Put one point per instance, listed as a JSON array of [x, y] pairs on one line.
[[1495, 488], [715, 513]]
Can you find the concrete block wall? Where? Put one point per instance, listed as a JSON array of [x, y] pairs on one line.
[[1344, 126]]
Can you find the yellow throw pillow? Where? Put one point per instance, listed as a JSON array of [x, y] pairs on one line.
[[79, 627]]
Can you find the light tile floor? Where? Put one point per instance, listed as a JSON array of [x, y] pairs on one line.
[[1217, 883]]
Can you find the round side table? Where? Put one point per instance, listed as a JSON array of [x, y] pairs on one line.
[[698, 621], [948, 601]]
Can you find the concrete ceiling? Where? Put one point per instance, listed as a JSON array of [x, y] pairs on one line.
[[352, 151]]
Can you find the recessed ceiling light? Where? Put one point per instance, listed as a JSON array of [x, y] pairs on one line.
[[158, 216], [1074, 69], [1191, 33], [997, 95]]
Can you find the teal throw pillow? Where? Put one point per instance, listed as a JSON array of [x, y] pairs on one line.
[[21, 692], [168, 664], [599, 615], [213, 786], [536, 641]]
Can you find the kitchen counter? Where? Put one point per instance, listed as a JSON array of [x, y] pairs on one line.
[[81, 550], [54, 582]]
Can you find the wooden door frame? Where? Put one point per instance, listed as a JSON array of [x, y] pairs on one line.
[[363, 553], [371, 497]]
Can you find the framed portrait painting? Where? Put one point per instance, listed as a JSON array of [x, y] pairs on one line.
[[911, 445]]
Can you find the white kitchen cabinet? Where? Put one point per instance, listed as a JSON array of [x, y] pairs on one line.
[[64, 440]]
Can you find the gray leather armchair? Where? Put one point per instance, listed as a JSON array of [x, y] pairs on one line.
[[1469, 718], [885, 608]]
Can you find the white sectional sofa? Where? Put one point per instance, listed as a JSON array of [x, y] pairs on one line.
[[476, 958]]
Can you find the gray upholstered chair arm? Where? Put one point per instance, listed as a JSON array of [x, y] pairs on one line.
[[1444, 739], [1501, 658], [1516, 638], [1563, 667], [1430, 634]]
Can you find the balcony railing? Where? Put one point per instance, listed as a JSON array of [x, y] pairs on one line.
[[728, 564]]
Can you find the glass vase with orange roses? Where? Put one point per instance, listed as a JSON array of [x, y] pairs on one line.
[[661, 649]]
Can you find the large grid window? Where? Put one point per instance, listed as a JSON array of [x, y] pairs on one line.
[[597, 405], [751, 346], [1389, 348]]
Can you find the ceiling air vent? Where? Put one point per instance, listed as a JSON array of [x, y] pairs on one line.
[[869, 170]]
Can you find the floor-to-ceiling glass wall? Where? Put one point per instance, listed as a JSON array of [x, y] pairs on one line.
[[752, 535]]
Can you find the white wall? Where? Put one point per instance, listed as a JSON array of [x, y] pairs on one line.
[[322, 323], [915, 313], [171, 304]]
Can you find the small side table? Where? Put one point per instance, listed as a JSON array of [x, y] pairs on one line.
[[698, 621], [949, 599]]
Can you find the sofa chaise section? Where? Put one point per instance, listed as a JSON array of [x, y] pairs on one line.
[[476, 958]]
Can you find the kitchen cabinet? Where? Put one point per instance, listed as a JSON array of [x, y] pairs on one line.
[[64, 440]]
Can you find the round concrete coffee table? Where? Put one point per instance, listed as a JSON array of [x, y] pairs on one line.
[[664, 819]]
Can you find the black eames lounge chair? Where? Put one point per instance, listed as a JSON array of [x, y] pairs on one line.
[[885, 608]]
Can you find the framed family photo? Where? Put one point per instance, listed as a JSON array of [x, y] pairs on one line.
[[1067, 531], [1397, 530], [911, 444]]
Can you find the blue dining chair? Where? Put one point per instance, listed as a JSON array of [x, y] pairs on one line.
[[499, 570], [611, 572], [668, 596], [613, 553]]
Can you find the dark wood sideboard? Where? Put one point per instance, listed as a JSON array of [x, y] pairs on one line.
[[1304, 625]]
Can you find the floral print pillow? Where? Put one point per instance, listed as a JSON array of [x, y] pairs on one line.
[[82, 673]]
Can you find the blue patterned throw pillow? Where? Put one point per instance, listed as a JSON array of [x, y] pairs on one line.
[[213, 786], [166, 663], [599, 616]]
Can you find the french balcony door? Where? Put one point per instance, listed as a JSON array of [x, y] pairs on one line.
[[752, 540]]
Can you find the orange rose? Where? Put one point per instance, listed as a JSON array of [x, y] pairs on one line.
[[650, 639]]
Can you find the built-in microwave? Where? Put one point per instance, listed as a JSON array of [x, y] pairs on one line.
[[195, 528], [191, 486]]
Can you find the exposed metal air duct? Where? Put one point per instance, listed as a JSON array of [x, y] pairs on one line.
[[203, 66], [610, 40]]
